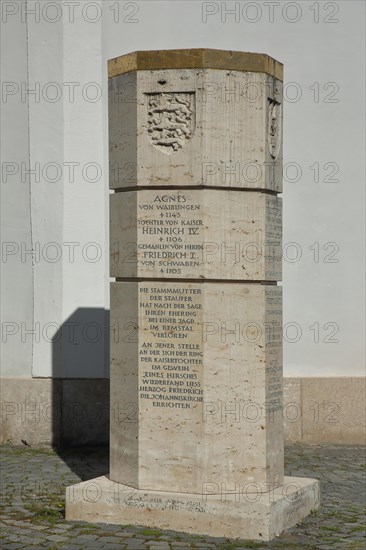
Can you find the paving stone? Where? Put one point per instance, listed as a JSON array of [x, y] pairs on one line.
[[134, 544], [110, 539], [13, 538], [11, 546], [31, 540], [56, 538], [18, 523], [39, 535], [338, 468], [83, 539]]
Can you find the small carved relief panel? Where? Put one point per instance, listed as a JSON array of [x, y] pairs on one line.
[[274, 127], [170, 120]]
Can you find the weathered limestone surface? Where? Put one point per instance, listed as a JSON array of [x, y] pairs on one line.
[[196, 234], [197, 368], [224, 129], [195, 58], [234, 514], [196, 315]]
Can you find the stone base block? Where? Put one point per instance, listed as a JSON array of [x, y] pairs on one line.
[[235, 514]]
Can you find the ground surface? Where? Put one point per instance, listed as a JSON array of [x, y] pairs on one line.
[[33, 496]]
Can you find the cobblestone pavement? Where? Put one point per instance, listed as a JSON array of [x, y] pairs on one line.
[[33, 496]]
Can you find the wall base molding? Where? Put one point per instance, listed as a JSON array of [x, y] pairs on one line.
[[325, 410], [53, 412]]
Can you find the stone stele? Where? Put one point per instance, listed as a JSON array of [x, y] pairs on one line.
[[196, 312]]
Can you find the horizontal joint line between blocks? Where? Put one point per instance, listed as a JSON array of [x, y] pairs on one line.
[[177, 280], [193, 188]]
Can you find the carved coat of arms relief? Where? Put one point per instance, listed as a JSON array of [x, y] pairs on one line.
[[170, 120]]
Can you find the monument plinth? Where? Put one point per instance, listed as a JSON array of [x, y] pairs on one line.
[[196, 312]]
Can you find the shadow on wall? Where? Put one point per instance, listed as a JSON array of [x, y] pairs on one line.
[[80, 392]]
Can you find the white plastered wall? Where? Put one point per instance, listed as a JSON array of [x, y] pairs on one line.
[[325, 295], [322, 47], [54, 300]]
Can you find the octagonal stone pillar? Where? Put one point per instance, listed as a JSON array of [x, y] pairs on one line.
[[196, 311]]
